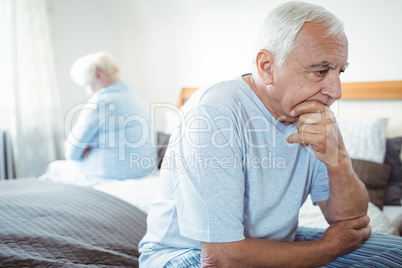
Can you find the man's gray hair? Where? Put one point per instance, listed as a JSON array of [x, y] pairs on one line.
[[83, 70], [279, 30]]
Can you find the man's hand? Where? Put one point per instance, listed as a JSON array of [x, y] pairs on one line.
[[317, 127], [345, 236]]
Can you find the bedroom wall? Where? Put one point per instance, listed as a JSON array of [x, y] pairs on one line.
[[163, 46]]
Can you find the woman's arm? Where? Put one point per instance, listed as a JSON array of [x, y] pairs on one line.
[[85, 132]]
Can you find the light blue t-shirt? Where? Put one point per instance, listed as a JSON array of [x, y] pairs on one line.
[[116, 124], [229, 174]]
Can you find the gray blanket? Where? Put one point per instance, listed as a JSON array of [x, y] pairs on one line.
[[44, 224]]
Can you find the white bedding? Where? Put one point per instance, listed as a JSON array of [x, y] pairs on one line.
[[140, 193], [311, 216], [392, 212]]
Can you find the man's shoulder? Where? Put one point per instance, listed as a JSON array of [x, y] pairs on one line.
[[228, 88], [223, 94]]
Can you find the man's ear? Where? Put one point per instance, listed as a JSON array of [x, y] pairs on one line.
[[264, 63]]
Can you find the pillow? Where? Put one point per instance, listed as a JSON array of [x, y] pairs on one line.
[[365, 138], [397, 223], [393, 193], [162, 140], [375, 176]]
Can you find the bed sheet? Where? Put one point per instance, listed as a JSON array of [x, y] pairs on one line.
[[47, 224], [138, 192]]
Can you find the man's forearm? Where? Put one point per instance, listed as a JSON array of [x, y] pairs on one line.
[[338, 239], [263, 253], [348, 196]]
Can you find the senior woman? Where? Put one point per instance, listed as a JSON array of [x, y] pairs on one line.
[[111, 138]]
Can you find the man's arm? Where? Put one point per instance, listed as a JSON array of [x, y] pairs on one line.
[[317, 127], [348, 197], [339, 238]]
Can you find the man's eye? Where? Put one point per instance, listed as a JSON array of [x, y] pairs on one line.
[[322, 72], [341, 71]]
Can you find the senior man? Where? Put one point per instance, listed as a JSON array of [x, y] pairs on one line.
[[251, 150]]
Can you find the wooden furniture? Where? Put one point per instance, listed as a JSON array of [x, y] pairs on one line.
[[372, 90], [185, 94]]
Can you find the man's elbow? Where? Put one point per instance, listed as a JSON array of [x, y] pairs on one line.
[[221, 255], [210, 261], [216, 261]]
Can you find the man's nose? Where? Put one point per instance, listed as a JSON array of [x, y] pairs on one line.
[[333, 87]]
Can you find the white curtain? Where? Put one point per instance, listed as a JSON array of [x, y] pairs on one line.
[[31, 99]]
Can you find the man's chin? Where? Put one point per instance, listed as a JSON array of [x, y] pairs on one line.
[[287, 120]]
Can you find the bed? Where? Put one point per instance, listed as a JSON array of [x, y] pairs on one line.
[[48, 224]]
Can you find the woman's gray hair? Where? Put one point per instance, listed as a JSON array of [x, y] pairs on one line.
[[279, 30], [83, 70]]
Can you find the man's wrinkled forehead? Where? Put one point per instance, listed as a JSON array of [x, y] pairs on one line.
[[326, 65]]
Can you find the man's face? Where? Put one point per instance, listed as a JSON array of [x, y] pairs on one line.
[[311, 72]]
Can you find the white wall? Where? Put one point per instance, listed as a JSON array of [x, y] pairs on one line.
[[163, 46]]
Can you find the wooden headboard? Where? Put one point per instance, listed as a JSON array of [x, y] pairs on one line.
[[185, 94], [386, 90]]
